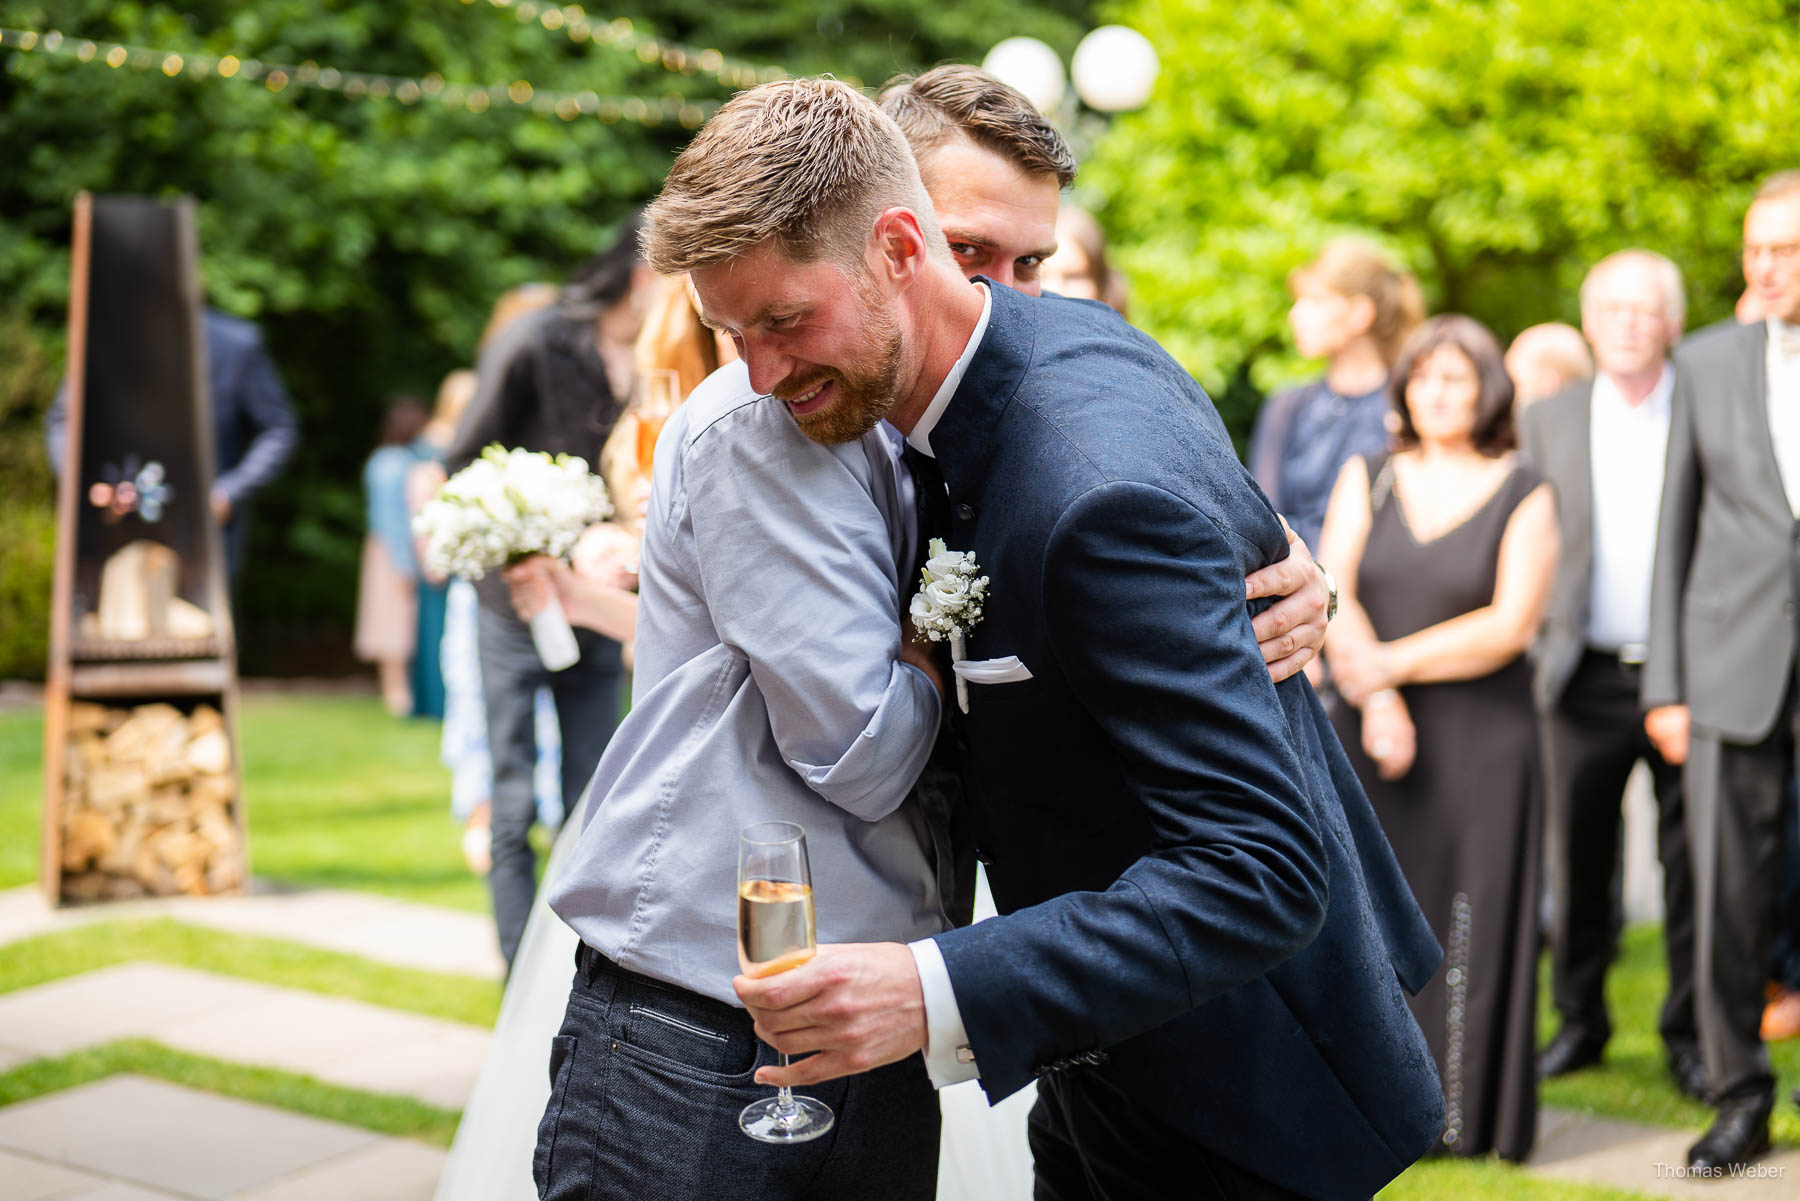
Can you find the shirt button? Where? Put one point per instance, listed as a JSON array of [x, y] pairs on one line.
[[965, 512]]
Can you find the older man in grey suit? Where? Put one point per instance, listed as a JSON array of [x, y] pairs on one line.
[[1722, 649], [1603, 444]]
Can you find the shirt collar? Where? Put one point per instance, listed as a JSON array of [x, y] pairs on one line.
[[920, 438], [1656, 404], [1784, 340]]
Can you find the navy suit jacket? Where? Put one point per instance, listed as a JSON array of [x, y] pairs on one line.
[[1197, 899]]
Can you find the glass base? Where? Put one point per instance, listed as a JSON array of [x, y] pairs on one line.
[[804, 1118]]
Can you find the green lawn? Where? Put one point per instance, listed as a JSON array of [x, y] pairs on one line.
[[47, 957], [269, 1086], [340, 795]]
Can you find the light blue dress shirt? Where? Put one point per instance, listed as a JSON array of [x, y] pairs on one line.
[[768, 688]]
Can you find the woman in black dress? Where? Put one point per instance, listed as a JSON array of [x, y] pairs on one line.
[[1446, 549]]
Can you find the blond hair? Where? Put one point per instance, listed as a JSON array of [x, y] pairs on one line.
[[1358, 267], [959, 101], [804, 164]]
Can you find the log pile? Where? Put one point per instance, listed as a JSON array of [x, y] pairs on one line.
[[148, 806]]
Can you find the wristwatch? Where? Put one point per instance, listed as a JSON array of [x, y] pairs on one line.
[[1330, 590]]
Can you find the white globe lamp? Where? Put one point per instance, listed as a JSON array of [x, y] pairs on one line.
[[1032, 68], [1114, 68]]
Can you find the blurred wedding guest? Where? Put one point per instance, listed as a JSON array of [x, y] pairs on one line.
[[423, 480], [554, 380], [1353, 308], [674, 352], [464, 745], [387, 586], [1545, 359], [1720, 680], [1445, 550], [1080, 266], [254, 431], [1602, 445]]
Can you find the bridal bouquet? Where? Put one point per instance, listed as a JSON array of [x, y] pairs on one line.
[[948, 603], [508, 505]]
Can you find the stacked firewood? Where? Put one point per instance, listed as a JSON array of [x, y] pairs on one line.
[[148, 806]]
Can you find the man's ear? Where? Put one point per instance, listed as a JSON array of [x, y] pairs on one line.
[[897, 249]]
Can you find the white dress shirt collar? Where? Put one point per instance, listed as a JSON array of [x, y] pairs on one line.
[[1784, 341], [1607, 393], [920, 438]]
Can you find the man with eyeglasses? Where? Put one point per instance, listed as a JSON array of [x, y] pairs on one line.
[[1722, 651]]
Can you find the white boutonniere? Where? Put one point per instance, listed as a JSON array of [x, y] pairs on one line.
[[948, 603]]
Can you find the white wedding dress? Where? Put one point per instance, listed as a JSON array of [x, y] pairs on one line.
[[983, 1154]]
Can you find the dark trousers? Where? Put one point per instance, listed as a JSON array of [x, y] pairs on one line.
[[1784, 966], [1090, 1142], [647, 1081], [587, 711], [1743, 829], [1592, 740]]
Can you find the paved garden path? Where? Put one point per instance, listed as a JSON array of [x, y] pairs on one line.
[[127, 1138]]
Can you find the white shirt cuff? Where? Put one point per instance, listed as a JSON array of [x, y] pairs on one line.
[[948, 1059]]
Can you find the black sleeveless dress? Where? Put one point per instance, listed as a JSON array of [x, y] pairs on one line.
[[1465, 822]]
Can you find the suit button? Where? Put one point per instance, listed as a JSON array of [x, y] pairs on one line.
[[965, 512]]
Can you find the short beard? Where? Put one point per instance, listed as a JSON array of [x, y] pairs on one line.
[[865, 390]]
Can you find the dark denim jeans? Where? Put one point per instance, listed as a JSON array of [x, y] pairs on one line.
[[588, 699], [647, 1081]]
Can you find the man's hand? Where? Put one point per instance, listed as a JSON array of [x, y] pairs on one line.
[[1291, 630], [1667, 726], [922, 655], [221, 505], [857, 1005]]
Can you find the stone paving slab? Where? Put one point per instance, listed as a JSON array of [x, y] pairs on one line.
[[344, 1042], [392, 1170], [28, 1179], [125, 1001], [1650, 1160], [404, 933], [117, 1191], [162, 1136], [12, 1057]]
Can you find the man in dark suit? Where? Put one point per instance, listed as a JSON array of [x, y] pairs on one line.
[[1722, 647], [1602, 444], [1206, 934]]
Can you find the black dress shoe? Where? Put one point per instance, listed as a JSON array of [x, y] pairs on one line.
[[1689, 1072], [1570, 1051], [1740, 1134]]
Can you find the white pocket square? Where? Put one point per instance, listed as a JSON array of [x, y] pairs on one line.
[[993, 671]]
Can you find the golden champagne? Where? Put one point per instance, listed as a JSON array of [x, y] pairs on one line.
[[775, 926]]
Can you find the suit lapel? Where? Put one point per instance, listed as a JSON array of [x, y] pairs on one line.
[[1579, 497], [963, 438], [1751, 384]]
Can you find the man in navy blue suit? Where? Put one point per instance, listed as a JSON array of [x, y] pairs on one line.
[[1204, 937]]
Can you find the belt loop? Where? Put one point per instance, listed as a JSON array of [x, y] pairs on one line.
[[589, 961]]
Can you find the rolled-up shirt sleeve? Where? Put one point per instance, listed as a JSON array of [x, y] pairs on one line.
[[796, 562]]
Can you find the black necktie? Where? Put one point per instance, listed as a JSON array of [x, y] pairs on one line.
[[939, 788], [931, 506]]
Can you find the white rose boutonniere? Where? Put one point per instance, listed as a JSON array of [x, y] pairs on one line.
[[948, 604]]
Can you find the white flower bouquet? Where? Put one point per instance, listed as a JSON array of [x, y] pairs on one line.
[[948, 603], [508, 505]]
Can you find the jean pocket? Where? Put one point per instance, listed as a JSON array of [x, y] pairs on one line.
[[562, 1060], [678, 1040]]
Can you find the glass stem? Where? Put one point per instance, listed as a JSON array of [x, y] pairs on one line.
[[784, 1096]]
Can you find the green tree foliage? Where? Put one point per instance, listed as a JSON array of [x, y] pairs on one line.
[[1499, 146], [369, 238]]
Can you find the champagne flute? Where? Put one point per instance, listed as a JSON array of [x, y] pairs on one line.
[[775, 933]]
